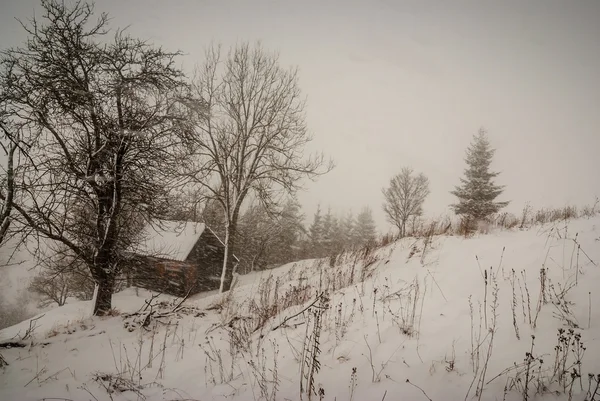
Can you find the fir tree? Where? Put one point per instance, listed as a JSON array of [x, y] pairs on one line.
[[256, 233], [316, 233], [267, 238], [327, 239], [347, 231], [292, 229], [337, 235], [334, 236], [477, 192], [365, 231]]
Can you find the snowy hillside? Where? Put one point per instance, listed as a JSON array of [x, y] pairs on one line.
[[441, 319]]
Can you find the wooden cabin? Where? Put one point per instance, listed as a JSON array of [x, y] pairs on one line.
[[177, 258]]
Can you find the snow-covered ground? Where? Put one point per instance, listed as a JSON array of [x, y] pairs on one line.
[[413, 320]]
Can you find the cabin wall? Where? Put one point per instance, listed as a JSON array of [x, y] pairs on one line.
[[201, 271], [166, 276], [207, 255]]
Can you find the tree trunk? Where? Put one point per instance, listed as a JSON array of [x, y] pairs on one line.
[[63, 295], [10, 191], [253, 264], [230, 232], [129, 277], [224, 285], [103, 301]]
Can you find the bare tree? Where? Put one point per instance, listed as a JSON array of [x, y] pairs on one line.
[[250, 133], [404, 197], [102, 128], [52, 287], [63, 275]]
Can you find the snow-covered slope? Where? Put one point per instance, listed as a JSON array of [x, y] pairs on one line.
[[410, 321]]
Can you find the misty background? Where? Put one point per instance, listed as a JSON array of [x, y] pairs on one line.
[[392, 84]]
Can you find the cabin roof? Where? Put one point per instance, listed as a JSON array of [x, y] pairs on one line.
[[167, 239], [170, 239]]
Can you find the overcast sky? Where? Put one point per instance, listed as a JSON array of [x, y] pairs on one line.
[[392, 84]]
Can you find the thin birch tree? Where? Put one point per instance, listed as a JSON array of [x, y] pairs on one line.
[[250, 134]]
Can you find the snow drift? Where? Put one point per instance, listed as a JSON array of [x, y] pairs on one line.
[[510, 315]]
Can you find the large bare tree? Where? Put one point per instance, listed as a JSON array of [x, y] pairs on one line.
[[250, 133], [97, 114], [404, 197]]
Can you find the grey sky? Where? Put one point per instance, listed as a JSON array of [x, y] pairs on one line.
[[392, 83]]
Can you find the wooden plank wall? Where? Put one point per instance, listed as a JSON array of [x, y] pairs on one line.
[[167, 276]]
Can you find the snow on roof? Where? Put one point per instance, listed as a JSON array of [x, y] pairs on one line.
[[172, 240]]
